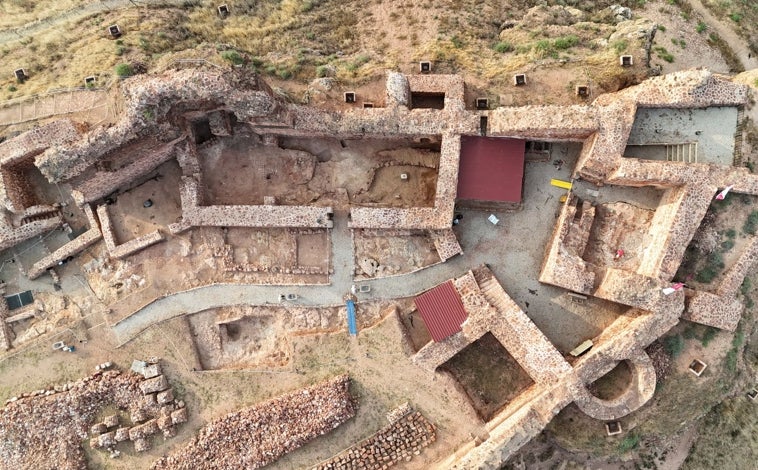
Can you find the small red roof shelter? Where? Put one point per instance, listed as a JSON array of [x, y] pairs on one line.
[[491, 169], [442, 310]]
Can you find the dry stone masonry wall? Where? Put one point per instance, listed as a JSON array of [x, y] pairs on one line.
[[397, 443], [257, 436]]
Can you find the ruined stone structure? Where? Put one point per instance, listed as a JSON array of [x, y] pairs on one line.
[[170, 116], [398, 442], [68, 413], [257, 436]]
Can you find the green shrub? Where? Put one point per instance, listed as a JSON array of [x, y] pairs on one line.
[[674, 345], [120, 50], [284, 74], [746, 285], [751, 224], [620, 46], [727, 245], [708, 336], [322, 71], [664, 54], [701, 27], [628, 443], [457, 42], [123, 70], [749, 303], [706, 275], [503, 47], [689, 331], [565, 42], [716, 260], [358, 62], [731, 233], [661, 27], [232, 56], [12, 88], [543, 45], [736, 17]]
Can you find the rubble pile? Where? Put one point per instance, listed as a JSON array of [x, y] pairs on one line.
[[398, 442], [257, 436], [45, 428]]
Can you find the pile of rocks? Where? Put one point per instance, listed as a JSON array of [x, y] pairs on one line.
[[398, 442], [45, 428], [257, 436], [146, 421]]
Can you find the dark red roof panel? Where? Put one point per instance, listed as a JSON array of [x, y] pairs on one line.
[[491, 169], [442, 310]]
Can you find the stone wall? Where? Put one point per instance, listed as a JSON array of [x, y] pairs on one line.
[[446, 244], [72, 248], [5, 333], [437, 218], [563, 264], [150, 99], [637, 394], [122, 250], [103, 183], [396, 443], [11, 236], [35, 141], [451, 85], [574, 123], [256, 436], [17, 188]]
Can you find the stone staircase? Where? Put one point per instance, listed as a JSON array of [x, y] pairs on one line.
[[738, 136], [494, 293], [685, 153]]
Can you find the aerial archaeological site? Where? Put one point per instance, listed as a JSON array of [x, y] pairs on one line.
[[342, 234]]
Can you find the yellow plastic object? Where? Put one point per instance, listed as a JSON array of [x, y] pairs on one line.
[[563, 198], [561, 183]]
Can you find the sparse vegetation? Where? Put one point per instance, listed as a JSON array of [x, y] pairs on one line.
[[123, 70], [631, 441], [701, 27], [503, 47], [662, 53], [751, 224], [674, 345], [232, 56]]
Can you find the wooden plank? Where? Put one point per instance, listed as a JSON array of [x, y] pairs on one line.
[[561, 183]]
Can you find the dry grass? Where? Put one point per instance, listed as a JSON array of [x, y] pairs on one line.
[[289, 39], [15, 13]]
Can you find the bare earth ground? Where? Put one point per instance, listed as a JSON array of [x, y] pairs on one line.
[[383, 377]]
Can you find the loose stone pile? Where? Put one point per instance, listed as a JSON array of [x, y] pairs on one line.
[[45, 428], [257, 436], [398, 442]]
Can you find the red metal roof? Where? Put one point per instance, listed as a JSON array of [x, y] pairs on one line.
[[442, 310], [491, 169]]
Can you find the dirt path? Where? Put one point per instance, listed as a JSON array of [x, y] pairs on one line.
[[737, 44]]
